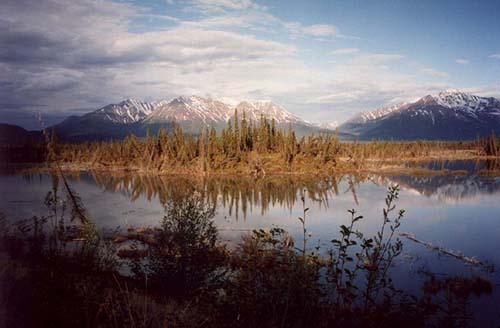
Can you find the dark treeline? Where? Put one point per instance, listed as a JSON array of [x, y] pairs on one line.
[[31, 153]]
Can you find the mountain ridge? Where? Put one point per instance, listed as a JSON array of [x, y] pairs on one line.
[[450, 115], [193, 113]]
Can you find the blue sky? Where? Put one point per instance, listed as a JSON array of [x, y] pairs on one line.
[[323, 60]]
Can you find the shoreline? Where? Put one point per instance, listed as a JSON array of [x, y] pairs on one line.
[[405, 166]]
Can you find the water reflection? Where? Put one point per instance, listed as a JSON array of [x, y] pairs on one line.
[[446, 188], [241, 195], [238, 195], [459, 212], [470, 166]]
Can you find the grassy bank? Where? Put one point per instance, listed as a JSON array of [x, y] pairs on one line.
[[269, 164]]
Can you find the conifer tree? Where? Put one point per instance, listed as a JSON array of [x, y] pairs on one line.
[[244, 133], [52, 146], [236, 136], [272, 138]]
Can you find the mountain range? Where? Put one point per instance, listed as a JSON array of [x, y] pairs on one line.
[[16, 135], [191, 112], [449, 115]]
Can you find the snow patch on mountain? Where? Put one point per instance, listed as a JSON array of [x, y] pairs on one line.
[[196, 109], [464, 104], [128, 111], [255, 109], [365, 117], [328, 125]]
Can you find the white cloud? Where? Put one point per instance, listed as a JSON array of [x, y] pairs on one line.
[[462, 61], [207, 6], [489, 90], [251, 19], [319, 30], [345, 51], [85, 54], [495, 56], [381, 57], [163, 17], [246, 14], [184, 45], [337, 98], [86, 49], [99, 60], [433, 72]]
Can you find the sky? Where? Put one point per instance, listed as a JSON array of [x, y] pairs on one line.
[[322, 60]]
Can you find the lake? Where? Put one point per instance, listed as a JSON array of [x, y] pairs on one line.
[[457, 212]]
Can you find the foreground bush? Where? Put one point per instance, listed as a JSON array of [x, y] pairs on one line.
[[185, 256]]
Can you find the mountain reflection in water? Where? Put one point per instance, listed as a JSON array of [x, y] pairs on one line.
[[446, 188]]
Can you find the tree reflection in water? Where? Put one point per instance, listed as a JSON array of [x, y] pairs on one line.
[[238, 195]]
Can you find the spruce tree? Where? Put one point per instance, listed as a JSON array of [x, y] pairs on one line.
[[236, 135], [244, 133]]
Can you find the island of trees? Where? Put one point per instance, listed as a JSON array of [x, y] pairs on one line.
[[245, 147]]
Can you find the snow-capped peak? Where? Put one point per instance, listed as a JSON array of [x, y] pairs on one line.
[[186, 99], [451, 114], [254, 109], [453, 98], [127, 111], [364, 117], [202, 111], [328, 125], [196, 110], [459, 102]]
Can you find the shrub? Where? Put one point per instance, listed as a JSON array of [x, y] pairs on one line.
[[185, 256]]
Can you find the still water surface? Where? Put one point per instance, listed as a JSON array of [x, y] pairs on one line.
[[461, 213]]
